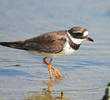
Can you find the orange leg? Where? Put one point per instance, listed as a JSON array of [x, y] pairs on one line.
[[54, 69], [57, 74], [49, 67]]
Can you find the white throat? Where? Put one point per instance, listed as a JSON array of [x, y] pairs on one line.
[[76, 41]]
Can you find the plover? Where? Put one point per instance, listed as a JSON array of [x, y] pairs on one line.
[[52, 45]]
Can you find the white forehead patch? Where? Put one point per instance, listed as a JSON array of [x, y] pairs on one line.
[[85, 33]]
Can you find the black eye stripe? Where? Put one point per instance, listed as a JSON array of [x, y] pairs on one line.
[[77, 34]]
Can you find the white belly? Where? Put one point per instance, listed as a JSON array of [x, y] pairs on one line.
[[67, 50]]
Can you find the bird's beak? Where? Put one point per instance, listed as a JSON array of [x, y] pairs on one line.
[[90, 39]]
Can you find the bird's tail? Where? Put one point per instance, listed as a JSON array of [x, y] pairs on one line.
[[16, 44]]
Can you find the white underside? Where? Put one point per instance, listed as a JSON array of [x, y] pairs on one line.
[[67, 50]]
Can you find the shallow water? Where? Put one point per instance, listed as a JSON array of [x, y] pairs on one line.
[[85, 74]]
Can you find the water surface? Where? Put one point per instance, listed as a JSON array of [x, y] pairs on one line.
[[85, 73]]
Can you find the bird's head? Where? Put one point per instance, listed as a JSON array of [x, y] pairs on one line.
[[79, 34]]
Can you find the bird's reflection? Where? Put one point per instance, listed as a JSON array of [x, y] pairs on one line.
[[46, 93], [52, 83]]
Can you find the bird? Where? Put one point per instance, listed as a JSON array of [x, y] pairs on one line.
[[53, 45]]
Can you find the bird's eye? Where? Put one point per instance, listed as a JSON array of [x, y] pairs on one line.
[[77, 35]]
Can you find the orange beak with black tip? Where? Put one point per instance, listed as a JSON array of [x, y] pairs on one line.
[[89, 39]]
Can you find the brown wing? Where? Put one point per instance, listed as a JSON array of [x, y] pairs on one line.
[[51, 42]]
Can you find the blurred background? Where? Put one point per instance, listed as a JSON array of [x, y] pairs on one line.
[[86, 73]]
